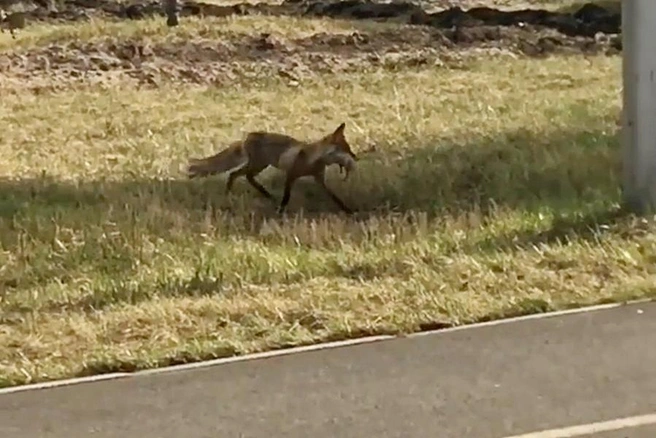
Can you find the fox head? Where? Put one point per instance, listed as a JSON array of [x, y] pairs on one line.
[[338, 140]]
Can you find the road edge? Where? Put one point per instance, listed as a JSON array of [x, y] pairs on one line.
[[315, 347]]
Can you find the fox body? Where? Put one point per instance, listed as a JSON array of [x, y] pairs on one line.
[[296, 158]]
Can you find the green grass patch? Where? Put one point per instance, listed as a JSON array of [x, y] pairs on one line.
[[492, 191]]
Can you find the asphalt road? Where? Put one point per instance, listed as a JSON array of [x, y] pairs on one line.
[[489, 382], [640, 432]]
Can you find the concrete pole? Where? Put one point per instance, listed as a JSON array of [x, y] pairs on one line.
[[639, 112]]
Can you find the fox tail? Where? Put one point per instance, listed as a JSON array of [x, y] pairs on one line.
[[231, 157]]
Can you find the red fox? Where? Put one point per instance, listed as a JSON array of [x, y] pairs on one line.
[[260, 150]]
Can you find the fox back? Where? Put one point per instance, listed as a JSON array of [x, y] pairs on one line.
[[283, 151], [271, 149]]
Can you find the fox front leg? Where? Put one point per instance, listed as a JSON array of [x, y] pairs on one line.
[[289, 183], [321, 180]]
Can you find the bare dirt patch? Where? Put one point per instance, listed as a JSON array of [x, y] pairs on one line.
[[419, 39], [204, 61]]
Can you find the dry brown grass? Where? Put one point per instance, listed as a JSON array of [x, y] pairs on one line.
[[151, 30], [492, 193]]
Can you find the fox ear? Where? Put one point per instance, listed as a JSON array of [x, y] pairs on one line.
[[339, 132]]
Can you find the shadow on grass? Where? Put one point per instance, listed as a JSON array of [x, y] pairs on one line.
[[568, 171], [589, 226]]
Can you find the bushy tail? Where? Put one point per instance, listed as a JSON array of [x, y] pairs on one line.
[[231, 157]]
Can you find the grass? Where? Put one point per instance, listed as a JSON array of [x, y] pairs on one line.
[[492, 192], [150, 30]]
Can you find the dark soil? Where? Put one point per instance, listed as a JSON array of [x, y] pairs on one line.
[[587, 21]]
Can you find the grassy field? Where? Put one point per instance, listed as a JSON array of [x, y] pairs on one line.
[[491, 191]]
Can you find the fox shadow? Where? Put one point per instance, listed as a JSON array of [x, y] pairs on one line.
[[518, 170]]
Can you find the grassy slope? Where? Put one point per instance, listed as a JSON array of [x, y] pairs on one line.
[[491, 193]]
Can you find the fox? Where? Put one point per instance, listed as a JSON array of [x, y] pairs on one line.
[[297, 158]]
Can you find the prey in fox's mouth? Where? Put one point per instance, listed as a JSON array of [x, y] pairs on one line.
[[345, 161]]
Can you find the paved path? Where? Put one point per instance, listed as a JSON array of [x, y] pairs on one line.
[[488, 382]]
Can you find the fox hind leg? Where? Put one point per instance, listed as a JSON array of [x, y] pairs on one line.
[[233, 176], [249, 173], [250, 177]]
